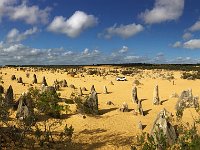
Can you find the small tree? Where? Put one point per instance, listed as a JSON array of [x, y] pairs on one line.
[[47, 103]]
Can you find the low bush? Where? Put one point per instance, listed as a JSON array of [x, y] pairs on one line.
[[190, 76]]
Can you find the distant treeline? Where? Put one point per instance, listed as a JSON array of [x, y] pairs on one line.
[[183, 67]]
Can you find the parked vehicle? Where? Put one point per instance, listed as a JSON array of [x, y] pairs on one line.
[[121, 79]]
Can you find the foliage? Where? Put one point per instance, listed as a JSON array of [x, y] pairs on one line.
[[47, 102], [179, 113], [188, 139], [136, 82], [47, 137], [81, 104], [126, 72], [151, 142], [93, 72], [191, 76], [18, 134]]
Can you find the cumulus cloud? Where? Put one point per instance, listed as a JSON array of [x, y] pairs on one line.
[[195, 27], [192, 44], [164, 10], [85, 51], [1, 44], [19, 54], [124, 31], [20, 10], [136, 59], [124, 49], [159, 58], [187, 36], [73, 26], [184, 60], [177, 44], [14, 35]]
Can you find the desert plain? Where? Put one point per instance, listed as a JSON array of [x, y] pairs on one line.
[[111, 129]]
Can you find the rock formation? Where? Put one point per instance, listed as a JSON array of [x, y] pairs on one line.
[[92, 103], [44, 82], [187, 100], [25, 107], [109, 103], [20, 80], [64, 83], [140, 125], [48, 89], [162, 124], [80, 92], [1, 89], [84, 89], [9, 96], [139, 108], [13, 77], [156, 99], [92, 89], [34, 79], [72, 86], [124, 107], [105, 90], [134, 95], [111, 83]]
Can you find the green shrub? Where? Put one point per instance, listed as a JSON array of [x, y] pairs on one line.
[[47, 102], [188, 139], [191, 76], [127, 72], [93, 72]]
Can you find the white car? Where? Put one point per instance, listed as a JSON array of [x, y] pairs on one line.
[[121, 79]]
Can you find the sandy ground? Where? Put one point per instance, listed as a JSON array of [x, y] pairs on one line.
[[112, 129]]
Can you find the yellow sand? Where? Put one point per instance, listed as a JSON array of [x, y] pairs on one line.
[[112, 129]]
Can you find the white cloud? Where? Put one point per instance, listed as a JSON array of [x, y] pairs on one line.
[[124, 31], [19, 10], [19, 54], [159, 58], [124, 49], [177, 44], [184, 60], [73, 26], [164, 10], [67, 53], [192, 44], [13, 48], [15, 36], [133, 58], [195, 27], [86, 51], [1, 44], [187, 36]]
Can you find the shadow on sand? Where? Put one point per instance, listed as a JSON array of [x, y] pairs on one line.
[[146, 112], [163, 101], [99, 139], [104, 111]]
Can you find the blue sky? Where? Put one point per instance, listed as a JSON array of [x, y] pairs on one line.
[[99, 31]]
